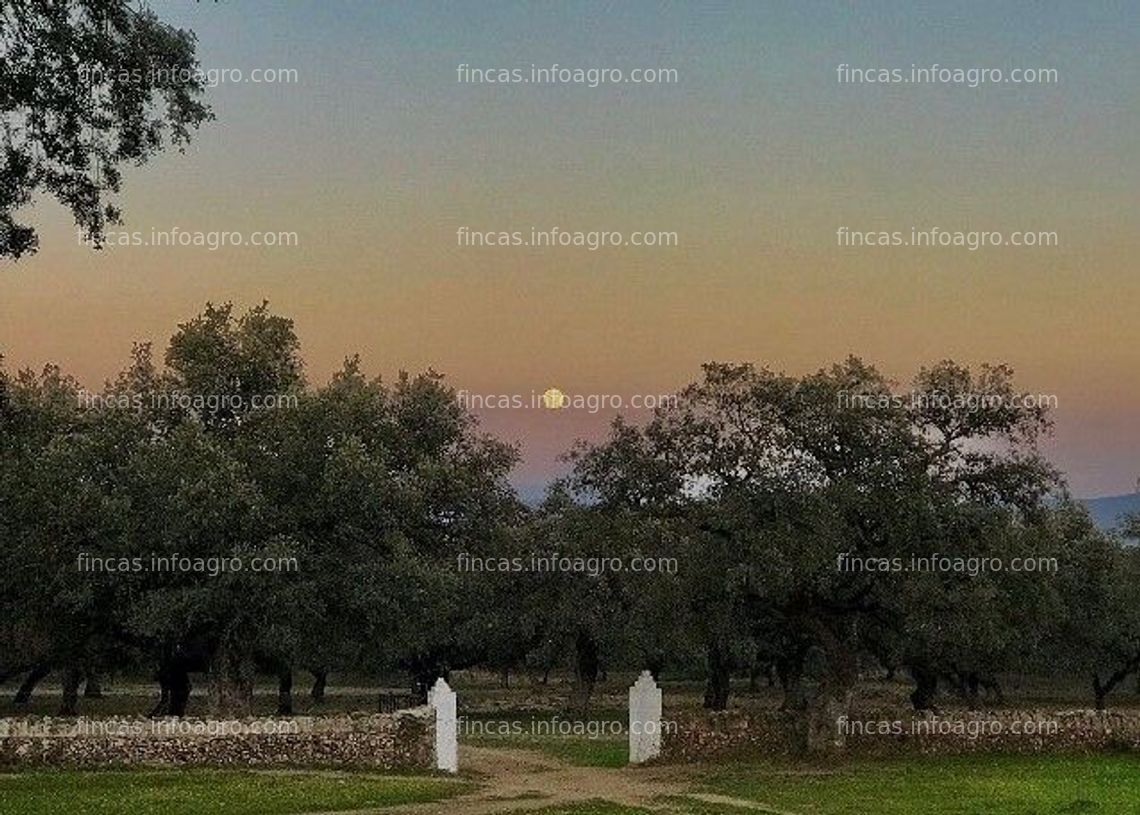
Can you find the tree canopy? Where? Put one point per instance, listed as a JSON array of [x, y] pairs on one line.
[[86, 88], [811, 525]]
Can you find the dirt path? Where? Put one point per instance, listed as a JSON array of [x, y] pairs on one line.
[[513, 780]]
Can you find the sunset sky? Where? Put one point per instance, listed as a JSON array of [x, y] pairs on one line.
[[377, 155]]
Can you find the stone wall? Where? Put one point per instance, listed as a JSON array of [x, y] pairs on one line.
[[887, 732], [698, 736], [403, 740]]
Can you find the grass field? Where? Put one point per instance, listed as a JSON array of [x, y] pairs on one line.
[[1001, 785], [194, 792], [994, 785], [507, 720]]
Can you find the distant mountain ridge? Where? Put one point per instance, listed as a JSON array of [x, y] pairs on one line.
[[1109, 511]]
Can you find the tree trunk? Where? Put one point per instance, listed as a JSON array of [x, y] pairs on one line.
[[1099, 693], [424, 675], [926, 687], [835, 698], [231, 681], [180, 688], [71, 680], [91, 688], [821, 723], [718, 679], [24, 694], [655, 665], [174, 684], [994, 689], [285, 692], [790, 671], [970, 686], [320, 682], [162, 708], [830, 672], [587, 663], [1102, 689]]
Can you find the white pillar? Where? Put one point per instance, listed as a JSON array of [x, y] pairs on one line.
[[442, 698], [644, 719]]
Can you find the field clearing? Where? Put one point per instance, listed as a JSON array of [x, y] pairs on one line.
[[946, 785], [522, 750], [996, 785], [191, 792]]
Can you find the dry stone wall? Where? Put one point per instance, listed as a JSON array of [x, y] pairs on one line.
[[884, 732], [403, 740]]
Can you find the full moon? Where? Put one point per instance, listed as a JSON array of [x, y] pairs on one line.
[[554, 398]]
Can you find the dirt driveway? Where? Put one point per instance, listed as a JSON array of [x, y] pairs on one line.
[[515, 780]]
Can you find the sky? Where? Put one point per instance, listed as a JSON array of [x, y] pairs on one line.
[[377, 155]]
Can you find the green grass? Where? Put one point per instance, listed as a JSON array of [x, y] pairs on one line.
[[589, 753], [197, 792], [963, 785], [573, 743], [973, 785]]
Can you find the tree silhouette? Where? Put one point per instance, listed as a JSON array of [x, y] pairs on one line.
[[87, 86]]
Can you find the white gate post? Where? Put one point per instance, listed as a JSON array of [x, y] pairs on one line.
[[644, 719], [442, 698]]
